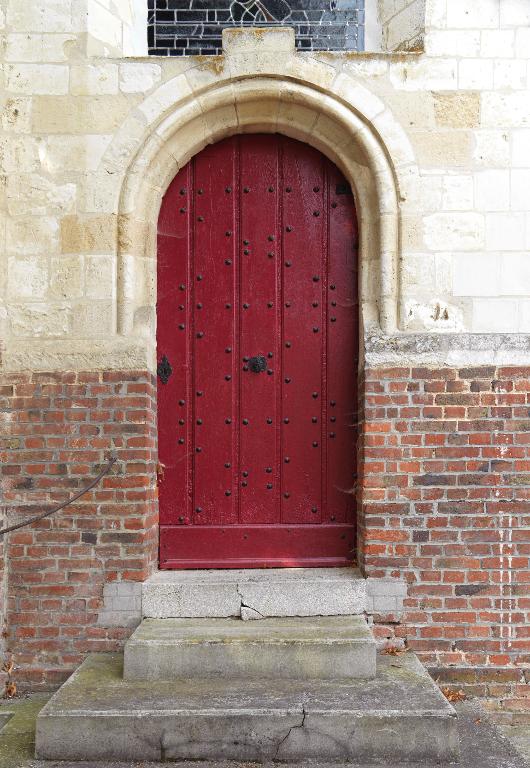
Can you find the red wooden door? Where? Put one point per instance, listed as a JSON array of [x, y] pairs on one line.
[[257, 358]]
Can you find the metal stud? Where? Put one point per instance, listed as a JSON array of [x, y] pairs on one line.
[[333, 419], [244, 483], [246, 306], [271, 189], [245, 422], [181, 326], [200, 192], [269, 354], [246, 190], [332, 434], [315, 329], [245, 367], [227, 465], [228, 262], [288, 344], [316, 213], [315, 444], [270, 372], [199, 422], [314, 420], [199, 278], [228, 350], [287, 304], [333, 205], [183, 191], [333, 319], [246, 242], [314, 510], [286, 495], [268, 470], [182, 210], [199, 393], [315, 304], [315, 395], [270, 304], [316, 278], [333, 403], [200, 218], [333, 303], [228, 190], [270, 238], [182, 287], [246, 252], [182, 402], [245, 473], [332, 287], [228, 233], [198, 449], [288, 189], [199, 305], [181, 422], [228, 493], [287, 380], [316, 189], [198, 510], [181, 441], [287, 460], [181, 307], [286, 421], [228, 421], [332, 518], [228, 305], [227, 377], [288, 263], [269, 486], [288, 228], [269, 420], [200, 334], [270, 255]]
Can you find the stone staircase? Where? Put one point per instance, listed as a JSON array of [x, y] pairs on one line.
[[288, 688]]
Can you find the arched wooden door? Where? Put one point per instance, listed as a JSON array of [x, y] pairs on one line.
[[257, 359]]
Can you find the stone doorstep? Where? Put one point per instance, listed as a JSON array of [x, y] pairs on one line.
[[259, 593], [333, 647], [399, 715]]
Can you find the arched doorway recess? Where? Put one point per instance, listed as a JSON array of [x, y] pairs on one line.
[[257, 335]]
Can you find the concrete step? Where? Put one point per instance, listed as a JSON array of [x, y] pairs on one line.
[[399, 715], [339, 647], [256, 593]]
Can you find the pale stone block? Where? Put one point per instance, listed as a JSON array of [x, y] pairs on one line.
[[73, 153], [418, 272], [37, 195], [510, 74], [524, 316], [521, 148], [444, 273], [497, 43], [413, 111], [32, 79], [15, 114], [238, 40], [520, 190], [436, 315], [423, 193], [405, 29], [492, 190], [453, 43], [19, 154], [476, 274], [99, 193], [395, 138], [165, 97], [424, 74], [515, 13], [66, 277], [495, 316], [454, 231], [515, 274], [94, 319], [492, 149], [505, 232], [45, 320], [88, 234], [464, 14], [76, 114], [32, 235], [457, 193], [522, 42], [139, 77], [359, 67], [513, 108], [27, 277], [39, 48], [475, 74], [104, 30], [451, 149], [457, 110], [99, 277], [40, 16], [88, 79]]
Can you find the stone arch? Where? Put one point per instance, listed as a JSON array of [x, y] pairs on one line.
[[345, 122]]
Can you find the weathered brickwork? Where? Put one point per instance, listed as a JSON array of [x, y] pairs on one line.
[[445, 462], [59, 428]]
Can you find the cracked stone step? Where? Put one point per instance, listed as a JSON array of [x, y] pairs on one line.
[[339, 647], [398, 716], [254, 593]]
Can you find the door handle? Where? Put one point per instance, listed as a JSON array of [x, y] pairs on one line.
[[257, 364]]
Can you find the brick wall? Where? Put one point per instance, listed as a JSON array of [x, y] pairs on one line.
[[445, 461], [56, 430]]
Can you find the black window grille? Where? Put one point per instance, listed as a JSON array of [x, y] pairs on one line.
[[194, 27]]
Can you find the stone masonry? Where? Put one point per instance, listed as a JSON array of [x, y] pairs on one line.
[[433, 131]]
